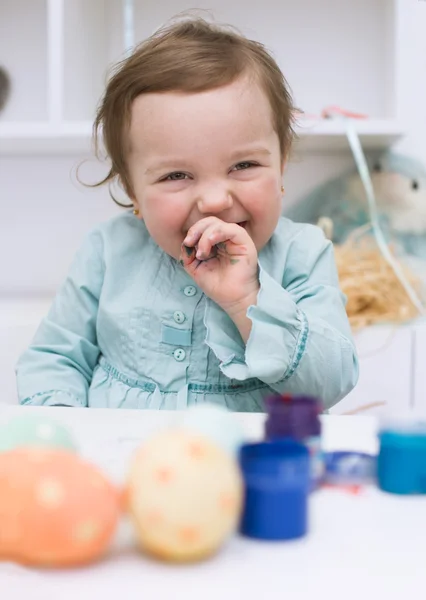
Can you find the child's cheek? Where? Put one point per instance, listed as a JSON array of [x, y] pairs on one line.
[[165, 221], [162, 211], [262, 196]]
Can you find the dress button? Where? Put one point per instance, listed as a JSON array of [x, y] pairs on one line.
[[178, 316], [179, 354], [190, 290]]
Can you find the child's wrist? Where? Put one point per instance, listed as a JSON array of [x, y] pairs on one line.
[[238, 308], [238, 313]]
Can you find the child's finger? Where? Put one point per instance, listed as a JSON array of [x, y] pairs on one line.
[[198, 237], [187, 255], [191, 239], [197, 230], [221, 233], [206, 248], [193, 235]]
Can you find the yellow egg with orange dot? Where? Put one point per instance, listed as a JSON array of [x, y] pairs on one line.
[[184, 495], [55, 508]]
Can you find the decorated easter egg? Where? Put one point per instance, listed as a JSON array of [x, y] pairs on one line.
[[184, 495], [216, 423], [55, 508], [34, 430]]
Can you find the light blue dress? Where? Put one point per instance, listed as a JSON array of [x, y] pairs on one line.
[[130, 329]]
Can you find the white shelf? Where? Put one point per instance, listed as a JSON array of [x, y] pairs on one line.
[[77, 42], [73, 45], [24, 50], [45, 139], [92, 40], [76, 137], [329, 135]]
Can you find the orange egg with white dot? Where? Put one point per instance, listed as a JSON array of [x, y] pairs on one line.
[[184, 495], [55, 508]]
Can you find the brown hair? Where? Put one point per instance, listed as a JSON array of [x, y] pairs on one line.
[[188, 56]]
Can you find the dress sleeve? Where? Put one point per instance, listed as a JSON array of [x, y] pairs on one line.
[[300, 340], [57, 367]]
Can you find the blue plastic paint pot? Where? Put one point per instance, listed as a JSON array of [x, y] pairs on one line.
[[401, 465], [277, 485]]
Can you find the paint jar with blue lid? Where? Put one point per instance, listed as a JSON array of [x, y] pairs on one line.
[[401, 464], [276, 490], [298, 418]]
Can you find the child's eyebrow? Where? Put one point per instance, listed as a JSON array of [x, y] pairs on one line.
[[179, 163], [167, 164], [246, 152]]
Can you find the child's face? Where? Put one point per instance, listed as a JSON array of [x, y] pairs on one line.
[[213, 153]]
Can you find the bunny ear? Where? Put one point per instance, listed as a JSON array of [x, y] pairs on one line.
[[405, 165]]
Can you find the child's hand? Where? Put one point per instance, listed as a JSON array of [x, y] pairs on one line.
[[222, 259]]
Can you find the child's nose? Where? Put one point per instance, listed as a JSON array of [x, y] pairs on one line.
[[214, 201]]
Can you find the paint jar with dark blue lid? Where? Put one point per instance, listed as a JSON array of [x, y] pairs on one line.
[[297, 417]]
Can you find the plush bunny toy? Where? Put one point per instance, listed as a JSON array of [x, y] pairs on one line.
[[399, 184]]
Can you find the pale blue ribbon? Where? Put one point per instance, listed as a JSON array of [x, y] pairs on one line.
[[364, 173]]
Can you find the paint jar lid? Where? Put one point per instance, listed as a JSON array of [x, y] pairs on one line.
[[404, 422], [292, 416]]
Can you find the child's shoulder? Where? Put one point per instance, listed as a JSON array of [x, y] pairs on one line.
[[293, 251], [302, 235], [125, 222], [121, 231]]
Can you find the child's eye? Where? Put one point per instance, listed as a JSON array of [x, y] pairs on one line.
[[178, 176], [244, 165]]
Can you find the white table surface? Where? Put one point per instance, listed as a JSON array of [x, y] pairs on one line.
[[372, 544]]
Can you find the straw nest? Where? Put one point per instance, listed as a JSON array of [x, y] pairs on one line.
[[374, 293]]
